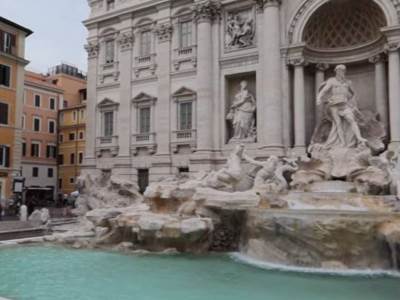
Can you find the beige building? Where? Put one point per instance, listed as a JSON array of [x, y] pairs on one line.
[[174, 85], [71, 124], [12, 70], [39, 137]]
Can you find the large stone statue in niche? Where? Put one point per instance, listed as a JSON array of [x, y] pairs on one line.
[[344, 142], [343, 125], [242, 116], [240, 30]]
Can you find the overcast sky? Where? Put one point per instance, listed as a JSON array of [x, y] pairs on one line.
[[59, 34]]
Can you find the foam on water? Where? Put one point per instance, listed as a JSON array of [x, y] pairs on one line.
[[238, 257]]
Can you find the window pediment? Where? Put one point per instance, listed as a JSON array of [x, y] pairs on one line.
[[184, 93], [107, 103], [144, 98]]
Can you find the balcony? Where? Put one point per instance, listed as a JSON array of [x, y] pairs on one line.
[[184, 138], [184, 56], [107, 143], [109, 72], [145, 64], [145, 141]]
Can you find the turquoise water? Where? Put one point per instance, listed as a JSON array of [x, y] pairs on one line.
[[40, 273]]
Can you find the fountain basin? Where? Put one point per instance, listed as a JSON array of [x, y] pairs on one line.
[[320, 239], [44, 273]]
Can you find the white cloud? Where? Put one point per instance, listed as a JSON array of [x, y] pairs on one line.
[[59, 34]]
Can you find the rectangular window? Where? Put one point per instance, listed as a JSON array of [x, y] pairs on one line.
[[108, 124], [60, 159], [37, 100], [35, 172], [3, 113], [61, 138], [5, 75], [80, 158], [74, 115], [110, 4], [144, 117], [145, 43], [143, 179], [35, 150], [4, 156], [36, 124], [186, 34], [52, 103], [185, 116], [65, 103], [81, 135], [24, 149], [72, 136], [23, 121], [60, 183], [72, 180], [52, 126], [51, 151], [110, 52], [50, 172], [8, 41], [72, 159]]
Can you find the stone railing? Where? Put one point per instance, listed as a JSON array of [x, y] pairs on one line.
[[186, 55], [144, 141], [107, 143], [184, 138]]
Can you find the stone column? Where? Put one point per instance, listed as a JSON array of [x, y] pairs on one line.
[[394, 93], [125, 40], [381, 102], [164, 36], [204, 13], [320, 70], [299, 106], [270, 126], [90, 144]]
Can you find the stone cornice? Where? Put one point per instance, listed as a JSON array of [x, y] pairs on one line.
[[206, 10]]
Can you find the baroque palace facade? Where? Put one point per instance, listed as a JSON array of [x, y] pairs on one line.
[[174, 85]]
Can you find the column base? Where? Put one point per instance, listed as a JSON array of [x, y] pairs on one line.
[[276, 150], [394, 146], [298, 151]]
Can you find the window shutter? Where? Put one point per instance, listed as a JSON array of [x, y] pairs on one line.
[[7, 150], [13, 40], [1, 40], [3, 113], [32, 150]]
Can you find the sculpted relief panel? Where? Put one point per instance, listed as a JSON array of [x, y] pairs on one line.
[[240, 29]]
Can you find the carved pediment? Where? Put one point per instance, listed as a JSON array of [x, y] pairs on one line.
[[107, 102], [143, 98], [184, 93]]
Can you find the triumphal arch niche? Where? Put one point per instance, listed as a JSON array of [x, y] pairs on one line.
[[344, 61], [364, 35]]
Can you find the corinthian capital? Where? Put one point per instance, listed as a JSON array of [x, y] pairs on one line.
[[392, 46], [92, 49], [261, 4], [126, 40], [207, 10], [377, 58], [164, 32]]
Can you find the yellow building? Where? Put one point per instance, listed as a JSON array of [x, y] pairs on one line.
[[12, 73], [71, 125]]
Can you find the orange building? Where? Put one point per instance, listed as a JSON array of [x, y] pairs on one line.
[[71, 126], [39, 145], [12, 71]]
